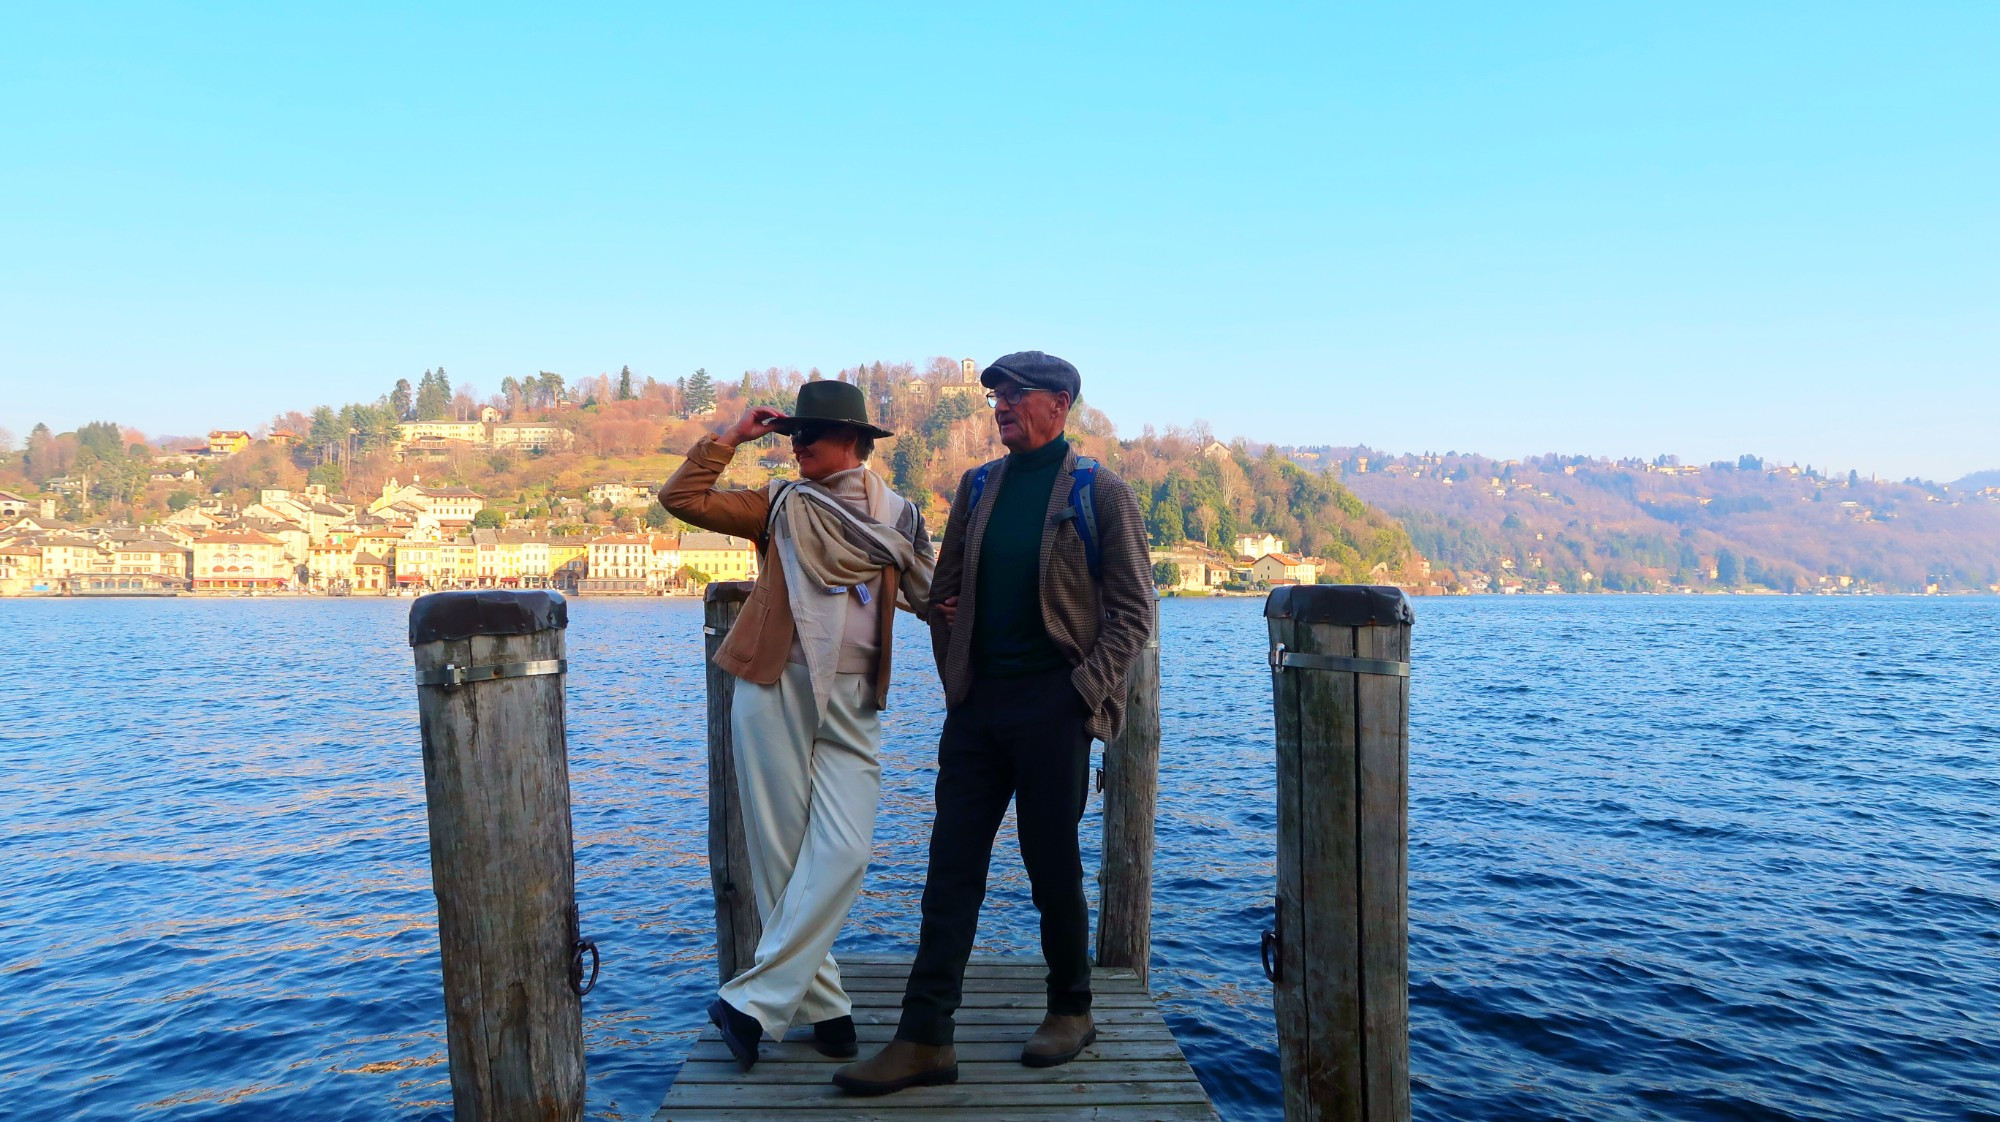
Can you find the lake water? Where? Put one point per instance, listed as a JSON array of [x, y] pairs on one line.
[[1715, 858]]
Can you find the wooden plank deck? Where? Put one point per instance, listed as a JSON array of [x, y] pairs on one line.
[[1134, 1073]]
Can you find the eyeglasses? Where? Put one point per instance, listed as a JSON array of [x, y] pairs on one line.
[[1012, 395], [807, 434]]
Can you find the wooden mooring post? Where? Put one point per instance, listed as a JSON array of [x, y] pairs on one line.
[[1339, 958], [737, 925], [489, 672], [1131, 798]]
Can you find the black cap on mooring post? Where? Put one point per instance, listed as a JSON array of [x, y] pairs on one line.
[[447, 616], [1343, 605]]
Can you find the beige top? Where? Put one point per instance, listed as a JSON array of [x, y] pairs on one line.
[[861, 630]]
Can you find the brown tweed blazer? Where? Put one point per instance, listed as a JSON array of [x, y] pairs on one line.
[[1099, 625]]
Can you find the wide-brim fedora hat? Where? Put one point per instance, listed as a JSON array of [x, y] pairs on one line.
[[829, 403]]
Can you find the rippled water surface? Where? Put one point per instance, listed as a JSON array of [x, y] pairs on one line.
[[1671, 858]]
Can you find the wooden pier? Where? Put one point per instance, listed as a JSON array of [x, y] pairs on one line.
[[489, 672], [1134, 1073]]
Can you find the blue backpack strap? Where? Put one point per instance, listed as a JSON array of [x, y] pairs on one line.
[[1083, 497], [978, 488]]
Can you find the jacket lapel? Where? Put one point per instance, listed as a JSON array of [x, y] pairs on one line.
[[975, 529], [1058, 499]]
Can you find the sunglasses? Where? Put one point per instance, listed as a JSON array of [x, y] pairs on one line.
[[807, 434]]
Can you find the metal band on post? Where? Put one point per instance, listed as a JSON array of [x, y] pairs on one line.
[[1281, 659], [451, 674]]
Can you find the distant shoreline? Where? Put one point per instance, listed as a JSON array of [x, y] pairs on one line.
[[695, 597]]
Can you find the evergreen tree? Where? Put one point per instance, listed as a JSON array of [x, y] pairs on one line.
[[625, 383], [325, 433], [433, 396], [911, 463], [39, 455], [1728, 570], [400, 399], [103, 439], [700, 393], [1167, 526]]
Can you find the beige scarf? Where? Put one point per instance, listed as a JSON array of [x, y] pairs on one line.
[[828, 551]]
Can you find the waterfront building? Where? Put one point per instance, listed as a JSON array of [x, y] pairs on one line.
[[1277, 568], [569, 561], [371, 573], [296, 541], [458, 562], [1200, 567], [239, 561], [20, 567], [664, 573], [415, 562], [719, 556], [65, 554], [151, 557], [331, 560], [530, 557], [619, 564]]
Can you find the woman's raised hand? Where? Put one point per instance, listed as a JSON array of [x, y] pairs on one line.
[[752, 424]]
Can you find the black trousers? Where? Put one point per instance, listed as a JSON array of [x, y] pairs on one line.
[[1014, 738]]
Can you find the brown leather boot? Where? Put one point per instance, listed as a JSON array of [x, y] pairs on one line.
[[1059, 1039], [900, 1064]]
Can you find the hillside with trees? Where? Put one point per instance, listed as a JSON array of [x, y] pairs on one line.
[[625, 427], [1633, 525], [1549, 522]]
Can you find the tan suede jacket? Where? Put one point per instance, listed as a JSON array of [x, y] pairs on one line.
[[760, 642]]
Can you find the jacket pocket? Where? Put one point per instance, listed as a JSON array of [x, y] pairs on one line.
[[746, 635]]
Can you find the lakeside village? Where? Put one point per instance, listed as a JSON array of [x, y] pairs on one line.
[[549, 485], [413, 538]]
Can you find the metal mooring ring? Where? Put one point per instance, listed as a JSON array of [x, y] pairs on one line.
[[1265, 946], [576, 981]]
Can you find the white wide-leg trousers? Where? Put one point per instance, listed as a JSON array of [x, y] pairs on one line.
[[809, 789]]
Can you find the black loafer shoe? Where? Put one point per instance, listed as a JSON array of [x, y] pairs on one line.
[[834, 1037], [739, 1030]]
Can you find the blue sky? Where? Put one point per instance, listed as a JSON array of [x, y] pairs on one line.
[[1605, 229]]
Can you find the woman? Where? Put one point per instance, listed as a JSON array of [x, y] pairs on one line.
[[838, 552]]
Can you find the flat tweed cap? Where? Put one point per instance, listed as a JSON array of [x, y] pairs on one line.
[[1035, 370]]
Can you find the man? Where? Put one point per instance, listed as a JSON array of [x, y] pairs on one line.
[[811, 647], [1041, 606]]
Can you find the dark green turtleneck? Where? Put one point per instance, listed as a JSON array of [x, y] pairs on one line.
[[1008, 638]]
